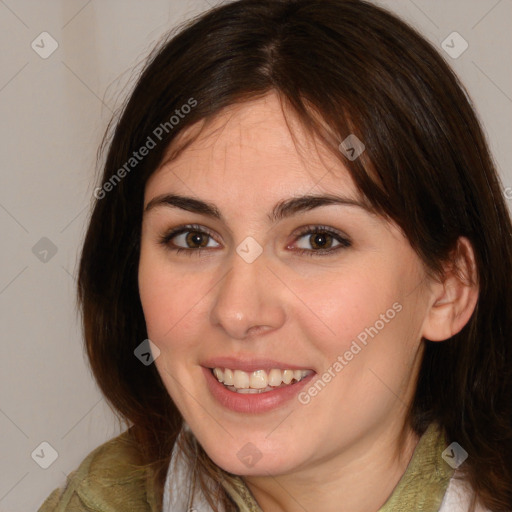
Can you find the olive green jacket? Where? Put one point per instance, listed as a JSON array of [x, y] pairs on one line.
[[108, 480]]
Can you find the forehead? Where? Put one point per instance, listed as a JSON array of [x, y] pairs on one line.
[[251, 149]]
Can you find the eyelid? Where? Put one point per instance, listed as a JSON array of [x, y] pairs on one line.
[[319, 228]]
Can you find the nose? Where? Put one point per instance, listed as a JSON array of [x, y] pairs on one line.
[[248, 300]]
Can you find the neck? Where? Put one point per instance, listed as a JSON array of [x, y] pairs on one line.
[[342, 483]]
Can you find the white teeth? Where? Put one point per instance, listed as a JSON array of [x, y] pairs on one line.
[[275, 377], [258, 381], [241, 379], [287, 376], [228, 377], [218, 373]]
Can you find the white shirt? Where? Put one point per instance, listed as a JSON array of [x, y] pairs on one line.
[[458, 496]]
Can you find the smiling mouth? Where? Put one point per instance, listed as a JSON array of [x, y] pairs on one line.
[[259, 381]]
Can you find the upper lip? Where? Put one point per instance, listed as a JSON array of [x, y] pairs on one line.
[[250, 364]]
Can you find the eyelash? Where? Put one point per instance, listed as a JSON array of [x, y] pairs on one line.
[[308, 230]]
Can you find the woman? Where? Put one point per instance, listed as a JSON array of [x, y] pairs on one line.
[[296, 278]]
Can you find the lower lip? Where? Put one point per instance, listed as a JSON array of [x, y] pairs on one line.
[[256, 402]]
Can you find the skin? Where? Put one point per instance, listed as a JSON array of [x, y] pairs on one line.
[[290, 307]]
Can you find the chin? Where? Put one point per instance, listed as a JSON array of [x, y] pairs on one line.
[[249, 461]]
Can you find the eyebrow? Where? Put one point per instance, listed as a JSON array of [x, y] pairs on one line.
[[283, 209]]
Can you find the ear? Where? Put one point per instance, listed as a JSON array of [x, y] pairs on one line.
[[454, 297]]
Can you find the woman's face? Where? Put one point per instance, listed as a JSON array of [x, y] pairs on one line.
[[241, 296]]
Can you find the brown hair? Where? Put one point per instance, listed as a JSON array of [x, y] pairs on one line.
[[343, 66]]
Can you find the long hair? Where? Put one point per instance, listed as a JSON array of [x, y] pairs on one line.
[[344, 67]]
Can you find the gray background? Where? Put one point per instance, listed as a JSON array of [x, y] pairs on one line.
[[54, 112]]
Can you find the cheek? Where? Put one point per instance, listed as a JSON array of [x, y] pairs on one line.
[[167, 297], [343, 306], [371, 358]]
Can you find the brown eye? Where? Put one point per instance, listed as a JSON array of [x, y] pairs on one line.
[[188, 239], [197, 237], [321, 240]]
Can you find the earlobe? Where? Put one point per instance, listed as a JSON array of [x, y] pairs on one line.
[[454, 298]]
